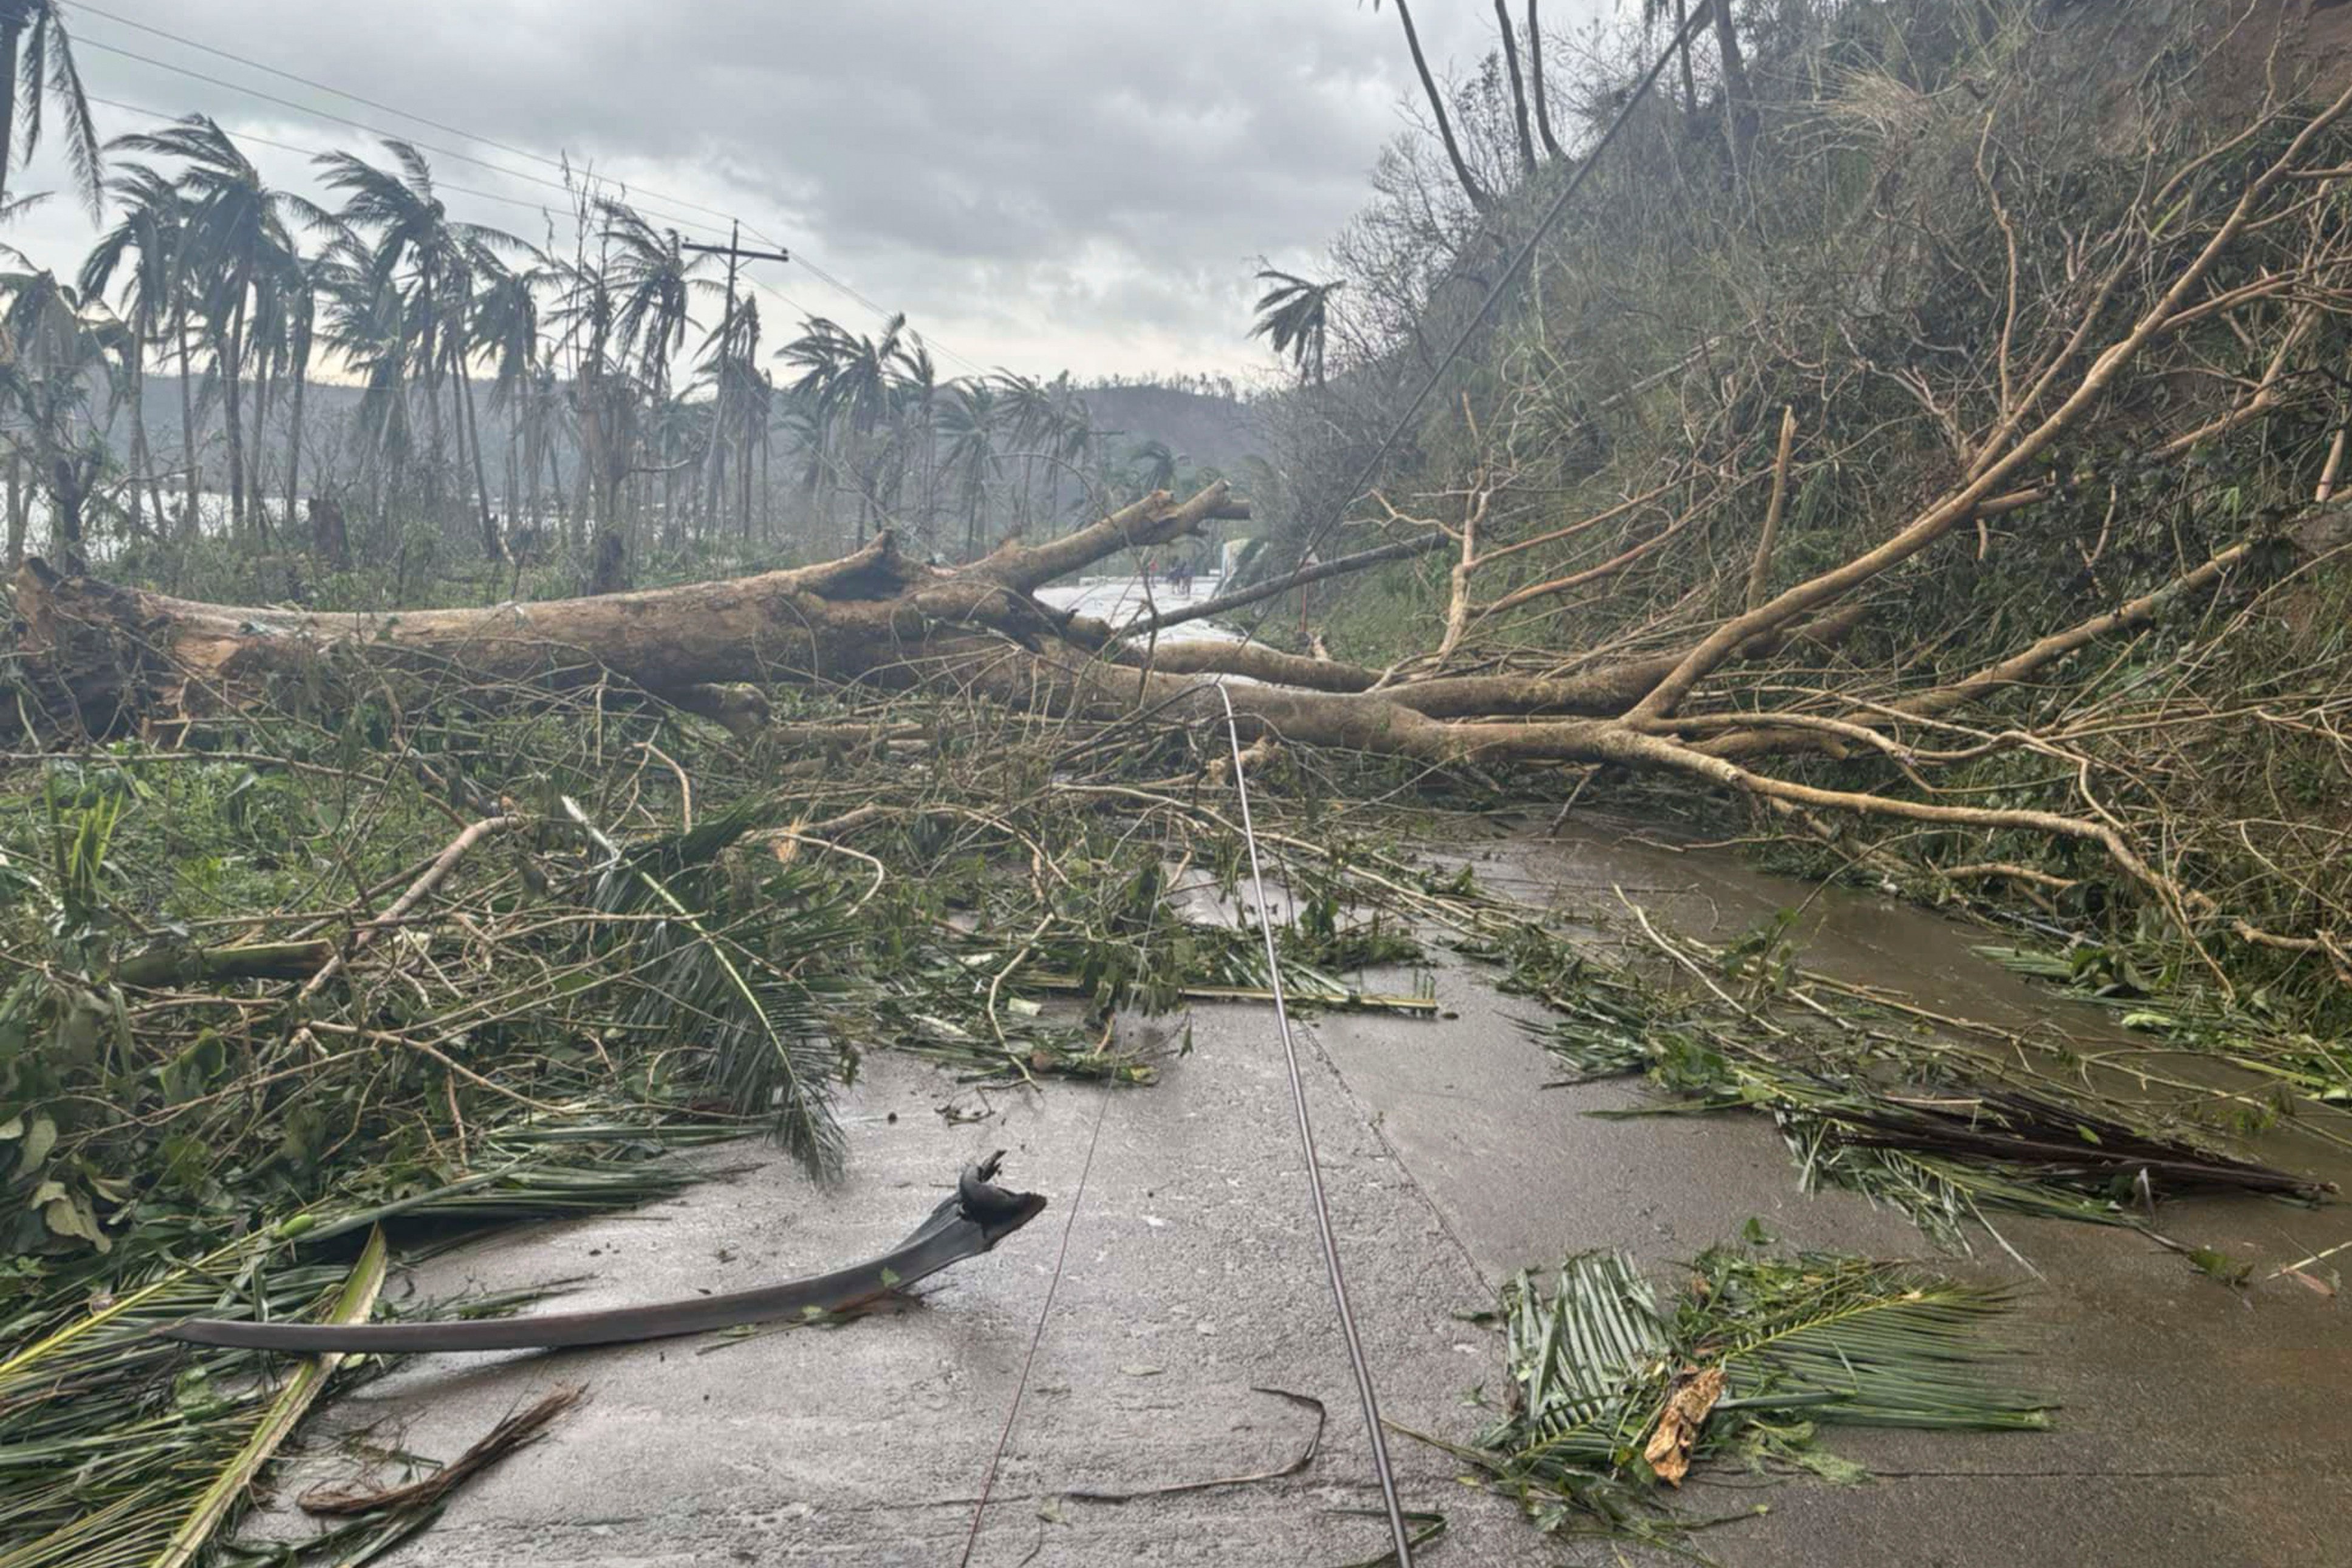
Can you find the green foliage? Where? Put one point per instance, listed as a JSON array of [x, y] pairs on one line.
[[1591, 1358]]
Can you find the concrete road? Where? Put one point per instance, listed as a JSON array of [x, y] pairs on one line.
[[2200, 1425]]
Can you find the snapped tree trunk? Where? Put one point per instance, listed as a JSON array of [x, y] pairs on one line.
[[1536, 84], [1519, 88], [1739, 98], [1471, 188]]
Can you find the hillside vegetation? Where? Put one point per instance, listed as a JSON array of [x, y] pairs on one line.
[[1992, 349]]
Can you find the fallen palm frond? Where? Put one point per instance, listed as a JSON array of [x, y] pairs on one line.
[[107, 1469], [748, 992], [1941, 1150], [1932, 1130], [2249, 1031], [1753, 1354], [352, 1304], [108, 1432]]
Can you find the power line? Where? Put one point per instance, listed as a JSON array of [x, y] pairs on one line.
[[435, 148], [160, 116], [448, 129], [1365, 1395], [381, 107]]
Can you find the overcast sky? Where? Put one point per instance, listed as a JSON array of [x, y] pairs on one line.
[[1037, 183]]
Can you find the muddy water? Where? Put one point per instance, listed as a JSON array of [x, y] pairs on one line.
[[2200, 1424], [1119, 599]]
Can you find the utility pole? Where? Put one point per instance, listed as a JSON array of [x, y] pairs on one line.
[[712, 462]]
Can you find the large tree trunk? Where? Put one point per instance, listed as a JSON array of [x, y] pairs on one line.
[[116, 657]]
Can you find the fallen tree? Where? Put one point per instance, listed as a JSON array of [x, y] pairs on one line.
[[1706, 692]]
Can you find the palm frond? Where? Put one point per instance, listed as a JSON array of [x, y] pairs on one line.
[[1816, 1339], [742, 988]]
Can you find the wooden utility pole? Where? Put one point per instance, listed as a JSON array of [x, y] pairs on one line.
[[713, 463]]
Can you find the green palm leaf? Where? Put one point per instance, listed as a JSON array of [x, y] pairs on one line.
[[1826, 1338]]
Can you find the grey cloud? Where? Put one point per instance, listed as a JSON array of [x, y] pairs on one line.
[[1037, 182]]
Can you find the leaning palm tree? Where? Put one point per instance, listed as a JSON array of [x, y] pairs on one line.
[[147, 239], [366, 327], [854, 382], [970, 419], [59, 351], [38, 57], [1480, 198], [1294, 317], [1152, 465], [437, 261], [157, 301], [237, 241], [505, 328], [657, 282], [1030, 415]]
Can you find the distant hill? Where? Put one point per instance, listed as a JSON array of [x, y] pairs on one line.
[[1214, 431]]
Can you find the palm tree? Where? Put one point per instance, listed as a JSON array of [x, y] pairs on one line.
[[1511, 52], [1294, 317], [918, 419], [158, 299], [366, 327], [58, 350], [437, 261], [1029, 414], [236, 238], [969, 418], [148, 236], [853, 383], [1153, 464], [657, 281], [36, 56], [1536, 83], [606, 404], [504, 328], [741, 399], [298, 286]]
